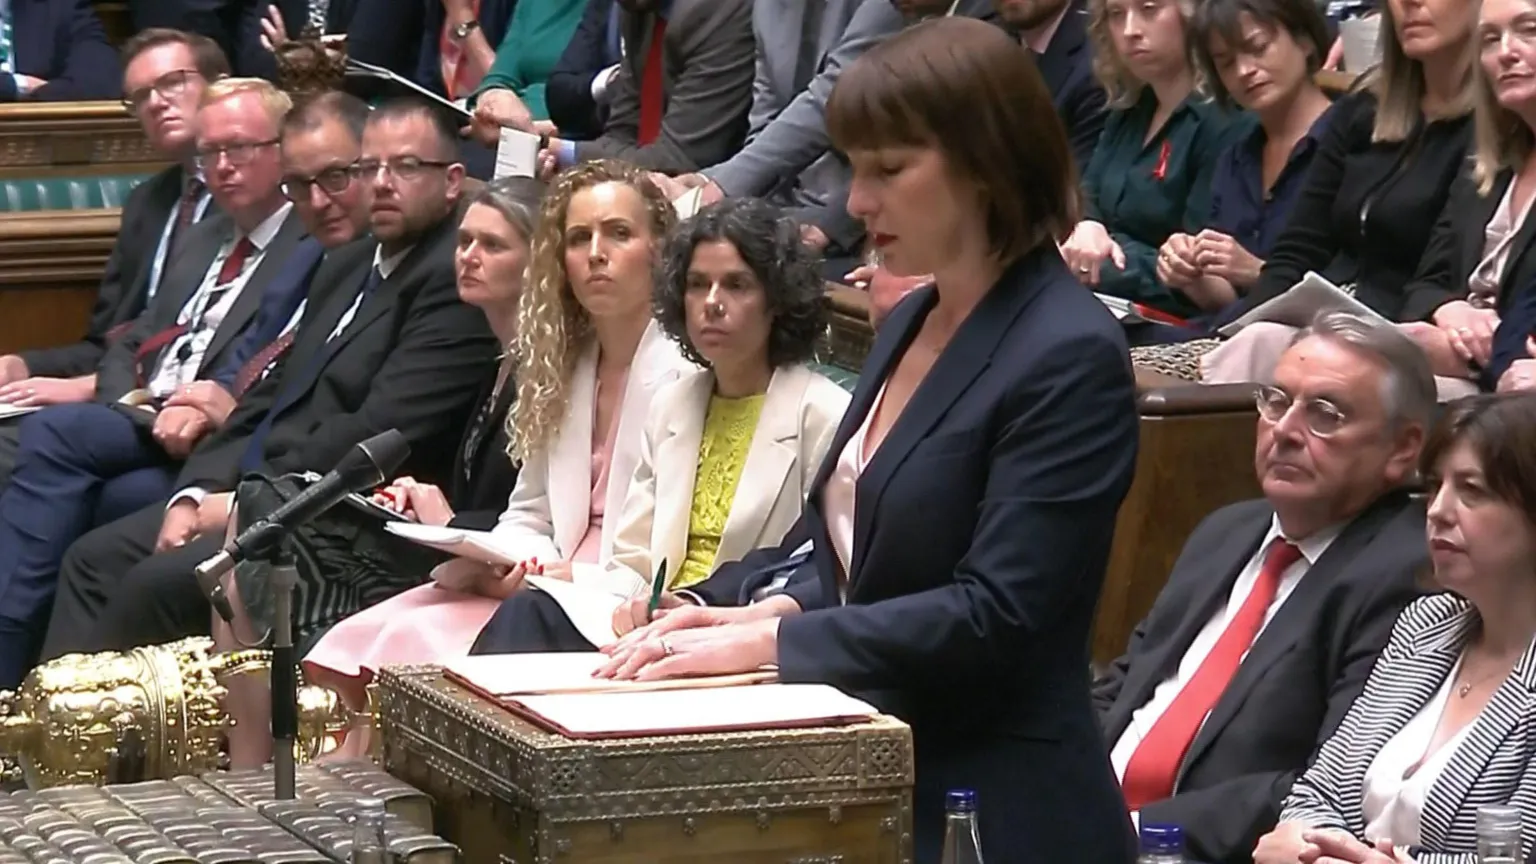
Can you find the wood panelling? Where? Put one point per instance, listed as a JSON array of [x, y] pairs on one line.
[[50, 265], [46, 139]]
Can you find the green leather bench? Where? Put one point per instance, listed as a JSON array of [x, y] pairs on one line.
[[845, 378], [67, 193]]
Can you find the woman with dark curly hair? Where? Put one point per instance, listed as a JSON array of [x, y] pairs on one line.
[[728, 452]]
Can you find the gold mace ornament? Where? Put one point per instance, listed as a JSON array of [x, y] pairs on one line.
[[149, 713]]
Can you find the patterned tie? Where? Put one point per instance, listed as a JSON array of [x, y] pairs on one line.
[[652, 85], [186, 208], [1154, 767], [253, 369], [229, 270], [456, 78]]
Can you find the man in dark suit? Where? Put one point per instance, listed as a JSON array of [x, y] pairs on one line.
[[165, 72], [210, 296], [1276, 609], [388, 345], [682, 93], [578, 90], [57, 52]]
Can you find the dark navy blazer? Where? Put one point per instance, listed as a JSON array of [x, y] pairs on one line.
[[61, 42], [982, 529]]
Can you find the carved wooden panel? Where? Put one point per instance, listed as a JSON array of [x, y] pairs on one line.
[[43, 139]]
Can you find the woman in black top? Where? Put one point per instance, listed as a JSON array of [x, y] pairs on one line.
[[347, 562], [1378, 182]]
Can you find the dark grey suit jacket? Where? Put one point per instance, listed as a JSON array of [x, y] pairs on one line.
[[1295, 684], [412, 358], [119, 369], [708, 85]]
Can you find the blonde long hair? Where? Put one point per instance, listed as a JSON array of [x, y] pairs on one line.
[[1398, 83], [552, 327], [1501, 139], [1121, 86]]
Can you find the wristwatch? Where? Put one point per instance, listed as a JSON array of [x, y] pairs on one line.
[[462, 31]]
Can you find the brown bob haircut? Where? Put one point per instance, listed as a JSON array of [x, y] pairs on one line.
[[207, 56], [964, 87], [1501, 430]]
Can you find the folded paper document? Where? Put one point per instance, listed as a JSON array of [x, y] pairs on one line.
[[1299, 305], [557, 692], [517, 154]]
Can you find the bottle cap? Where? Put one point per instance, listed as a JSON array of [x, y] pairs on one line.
[[369, 806], [960, 801], [1162, 838], [1497, 818]]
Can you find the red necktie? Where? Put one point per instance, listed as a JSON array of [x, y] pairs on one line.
[[250, 373], [228, 272], [1154, 766], [652, 91]]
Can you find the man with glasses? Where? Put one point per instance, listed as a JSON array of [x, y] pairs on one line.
[[135, 431], [164, 73], [389, 345], [54, 51], [1276, 608]]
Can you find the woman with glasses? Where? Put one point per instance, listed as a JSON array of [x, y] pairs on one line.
[[1443, 727], [346, 561]]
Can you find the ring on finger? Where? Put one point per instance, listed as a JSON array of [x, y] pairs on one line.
[[666, 647]]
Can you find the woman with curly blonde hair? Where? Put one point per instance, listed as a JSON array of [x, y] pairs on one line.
[[1150, 176]]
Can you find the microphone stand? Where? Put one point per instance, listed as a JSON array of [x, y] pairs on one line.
[[285, 680]]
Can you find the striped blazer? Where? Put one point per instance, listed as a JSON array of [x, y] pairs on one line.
[[1493, 765]]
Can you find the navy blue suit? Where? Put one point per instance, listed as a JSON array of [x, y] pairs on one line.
[[982, 529], [568, 93], [89, 464], [382, 32], [1067, 67], [61, 42]]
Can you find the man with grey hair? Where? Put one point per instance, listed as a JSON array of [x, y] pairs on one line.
[[1276, 608]]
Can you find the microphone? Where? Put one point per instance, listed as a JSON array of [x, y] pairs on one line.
[[365, 466]]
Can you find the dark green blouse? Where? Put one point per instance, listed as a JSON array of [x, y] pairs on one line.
[[1143, 192]]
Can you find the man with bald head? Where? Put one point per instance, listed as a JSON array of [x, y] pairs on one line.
[[389, 345], [1276, 609]]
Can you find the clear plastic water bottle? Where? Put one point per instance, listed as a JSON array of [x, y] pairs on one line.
[[1498, 834], [962, 843], [369, 845], [1161, 844]]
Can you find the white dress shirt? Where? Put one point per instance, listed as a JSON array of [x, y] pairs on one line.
[[206, 309], [1145, 717]]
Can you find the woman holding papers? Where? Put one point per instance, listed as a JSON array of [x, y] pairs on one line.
[[728, 452], [1381, 177], [1150, 175], [346, 560], [962, 519], [589, 361]]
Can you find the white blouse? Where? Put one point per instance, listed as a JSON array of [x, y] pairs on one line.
[[1394, 789], [1498, 240], [837, 497]]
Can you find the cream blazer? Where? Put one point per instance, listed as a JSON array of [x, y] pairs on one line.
[[551, 503], [800, 413]]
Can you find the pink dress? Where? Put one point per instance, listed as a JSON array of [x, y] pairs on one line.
[[428, 623]]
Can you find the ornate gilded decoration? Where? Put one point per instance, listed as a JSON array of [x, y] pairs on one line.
[[146, 713]]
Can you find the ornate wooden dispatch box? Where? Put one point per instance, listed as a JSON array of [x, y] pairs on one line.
[[508, 792]]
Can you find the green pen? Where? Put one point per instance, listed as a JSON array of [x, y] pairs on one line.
[[656, 589]]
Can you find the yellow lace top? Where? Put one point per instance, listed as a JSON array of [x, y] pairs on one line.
[[728, 429]]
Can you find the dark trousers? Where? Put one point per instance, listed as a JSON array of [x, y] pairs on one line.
[[529, 622], [116, 593], [68, 454]]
